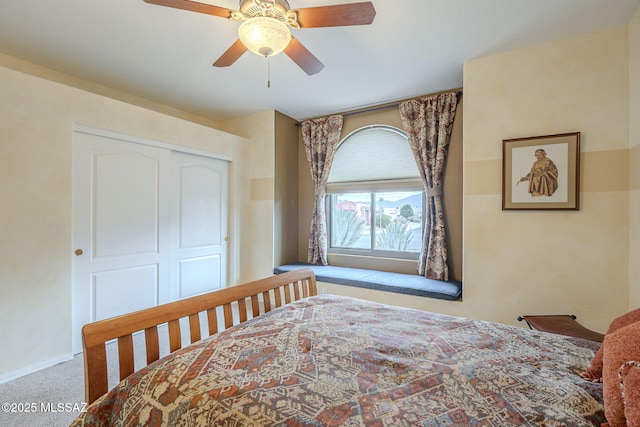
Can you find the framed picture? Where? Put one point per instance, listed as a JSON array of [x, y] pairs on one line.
[[541, 172]]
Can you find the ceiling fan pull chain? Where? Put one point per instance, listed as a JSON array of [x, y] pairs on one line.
[[268, 72]]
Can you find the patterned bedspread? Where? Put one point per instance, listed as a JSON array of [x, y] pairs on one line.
[[335, 361]]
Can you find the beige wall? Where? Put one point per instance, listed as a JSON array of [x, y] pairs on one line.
[[634, 162], [37, 115], [286, 191], [270, 213], [258, 235], [519, 262]]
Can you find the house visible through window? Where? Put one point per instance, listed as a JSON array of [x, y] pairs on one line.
[[375, 197]]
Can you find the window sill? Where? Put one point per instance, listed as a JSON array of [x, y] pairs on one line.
[[410, 284]]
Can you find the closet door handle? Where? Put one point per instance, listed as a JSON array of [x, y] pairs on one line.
[[78, 252]]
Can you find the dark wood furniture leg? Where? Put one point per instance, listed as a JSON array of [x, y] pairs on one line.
[[564, 324]]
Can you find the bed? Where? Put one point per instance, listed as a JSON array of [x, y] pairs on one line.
[[296, 358]]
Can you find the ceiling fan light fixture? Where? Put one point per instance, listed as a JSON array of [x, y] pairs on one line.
[[264, 36]]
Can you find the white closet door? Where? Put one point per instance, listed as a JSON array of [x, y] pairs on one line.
[[200, 224], [121, 259], [149, 226]]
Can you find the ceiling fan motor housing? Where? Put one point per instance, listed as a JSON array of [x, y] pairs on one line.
[[272, 8]]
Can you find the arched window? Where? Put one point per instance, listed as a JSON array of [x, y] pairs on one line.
[[375, 197]]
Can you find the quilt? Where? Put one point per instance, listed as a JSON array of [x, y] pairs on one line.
[[336, 361]]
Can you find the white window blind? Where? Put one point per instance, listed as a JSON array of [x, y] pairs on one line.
[[377, 153]]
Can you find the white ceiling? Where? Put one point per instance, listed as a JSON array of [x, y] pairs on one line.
[[413, 47]]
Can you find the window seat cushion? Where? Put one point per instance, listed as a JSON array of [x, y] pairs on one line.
[[410, 284]]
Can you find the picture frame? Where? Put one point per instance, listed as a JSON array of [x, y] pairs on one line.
[[541, 172]]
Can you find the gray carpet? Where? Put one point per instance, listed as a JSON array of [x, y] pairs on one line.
[[43, 391]]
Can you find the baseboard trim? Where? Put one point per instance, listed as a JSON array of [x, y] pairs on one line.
[[4, 378]]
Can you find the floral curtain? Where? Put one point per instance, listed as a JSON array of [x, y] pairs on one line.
[[321, 137], [428, 123]]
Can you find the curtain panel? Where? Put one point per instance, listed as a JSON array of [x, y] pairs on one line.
[[321, 137], [428, 123]]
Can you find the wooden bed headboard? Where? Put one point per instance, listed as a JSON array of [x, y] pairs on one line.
[[275, 291]]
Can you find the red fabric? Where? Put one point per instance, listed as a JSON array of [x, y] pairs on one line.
[[594, 372], [619, 347], [631, 393]]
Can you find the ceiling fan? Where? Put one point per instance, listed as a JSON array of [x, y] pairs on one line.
[[265, 26]]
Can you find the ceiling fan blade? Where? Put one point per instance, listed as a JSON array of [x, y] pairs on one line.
[[301, 56], [194, 7], [231, 55], [336, 16]]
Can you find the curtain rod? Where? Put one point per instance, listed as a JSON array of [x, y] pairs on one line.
[[385, 106]]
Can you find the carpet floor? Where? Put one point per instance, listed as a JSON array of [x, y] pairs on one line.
[[51, 397]]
